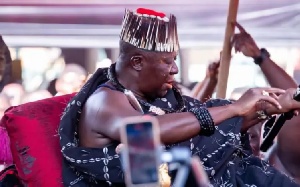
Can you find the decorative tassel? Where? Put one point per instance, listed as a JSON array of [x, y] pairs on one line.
[[150, 30], [5, 152]]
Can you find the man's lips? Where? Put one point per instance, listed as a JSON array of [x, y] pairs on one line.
[[170, 82]]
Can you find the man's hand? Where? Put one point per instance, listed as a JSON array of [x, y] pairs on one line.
[[243, 42], [247, 104], [213, 70], [287, 103]]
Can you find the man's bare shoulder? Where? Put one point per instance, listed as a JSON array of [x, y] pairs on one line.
[[102, 113], [107, 103], [106, 99]]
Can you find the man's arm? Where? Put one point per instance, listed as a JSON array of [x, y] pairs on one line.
[[204, 90], [109, 108], [275, 75], [287, 149], [280, 79], [208, 86], [106, 108], [287, 152]]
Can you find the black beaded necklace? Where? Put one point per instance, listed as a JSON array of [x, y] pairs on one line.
[[179, 108]]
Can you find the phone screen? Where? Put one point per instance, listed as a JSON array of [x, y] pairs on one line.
[[142, 153]]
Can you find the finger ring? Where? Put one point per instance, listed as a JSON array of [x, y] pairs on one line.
[[265, 93]]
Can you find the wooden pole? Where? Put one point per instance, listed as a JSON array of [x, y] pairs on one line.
[[226, 52]]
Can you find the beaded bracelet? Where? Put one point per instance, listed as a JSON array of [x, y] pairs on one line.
[[205, 120]]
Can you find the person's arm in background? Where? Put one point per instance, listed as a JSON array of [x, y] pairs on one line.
[[275, 75], [197, 88], [280, 79], [204, 90], [6, 74], [287, 150]]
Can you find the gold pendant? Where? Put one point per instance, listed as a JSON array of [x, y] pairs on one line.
[[157, 110]]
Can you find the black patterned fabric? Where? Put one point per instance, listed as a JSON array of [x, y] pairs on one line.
[[226, 155], [9, 177]]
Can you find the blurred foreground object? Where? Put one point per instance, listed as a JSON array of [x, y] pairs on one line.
[[5, 64]]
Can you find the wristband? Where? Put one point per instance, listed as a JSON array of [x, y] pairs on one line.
[[206, 122]]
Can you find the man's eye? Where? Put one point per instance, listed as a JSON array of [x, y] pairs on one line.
[[170, 62]]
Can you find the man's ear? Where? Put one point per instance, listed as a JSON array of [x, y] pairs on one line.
[[137, 62]]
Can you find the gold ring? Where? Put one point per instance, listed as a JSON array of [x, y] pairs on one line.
[[265, 93]]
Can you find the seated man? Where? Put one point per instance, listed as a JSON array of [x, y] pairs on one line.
[[141, 83]]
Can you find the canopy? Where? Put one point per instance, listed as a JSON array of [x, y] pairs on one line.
[[96, 23]]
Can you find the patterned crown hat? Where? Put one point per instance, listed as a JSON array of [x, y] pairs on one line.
[[150, 30]]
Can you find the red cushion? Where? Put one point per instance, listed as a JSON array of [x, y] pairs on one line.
[[32, 128]]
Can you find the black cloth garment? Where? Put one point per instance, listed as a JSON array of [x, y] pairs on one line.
[[226, 156], [86, 166], [9, 177]]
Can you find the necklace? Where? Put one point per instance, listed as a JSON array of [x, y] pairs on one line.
[[159, 111]]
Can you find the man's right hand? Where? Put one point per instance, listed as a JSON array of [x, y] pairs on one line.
[[247, 104], [243, 42]]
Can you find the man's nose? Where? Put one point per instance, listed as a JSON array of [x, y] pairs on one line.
[[174, 69]]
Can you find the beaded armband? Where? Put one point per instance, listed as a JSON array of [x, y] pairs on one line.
[[205, 120]]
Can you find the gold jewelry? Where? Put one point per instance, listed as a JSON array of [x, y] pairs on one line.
[[265, 93], [262, 115]]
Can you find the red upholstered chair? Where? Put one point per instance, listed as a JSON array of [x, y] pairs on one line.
[[32, 129]]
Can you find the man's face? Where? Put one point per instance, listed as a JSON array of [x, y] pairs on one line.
[[157, 75]]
